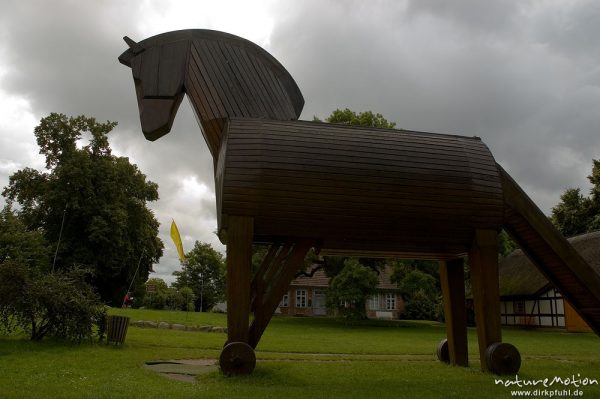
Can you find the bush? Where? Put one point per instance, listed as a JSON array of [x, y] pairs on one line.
[[420, 306], [350, 288], [58, 304]]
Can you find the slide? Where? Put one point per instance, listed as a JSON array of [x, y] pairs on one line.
[[551, 252]]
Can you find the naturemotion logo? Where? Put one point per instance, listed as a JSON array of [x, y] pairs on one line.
[[547, 387]]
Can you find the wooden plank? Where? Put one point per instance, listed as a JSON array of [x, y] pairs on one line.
[[452, 280], [214, 67], [366, 179], [359, 197], [256, 92], [483, 262], [343, 138], [229, 82], [322, 146], [387, 162], [407, 188], [172, 63], [240, 234], [205, 83], [278, 98], [351, 135]]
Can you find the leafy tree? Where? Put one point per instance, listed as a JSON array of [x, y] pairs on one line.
[[21, 245], [416, 281], [419, 284], [204, 273], [156, 298], [572, 214], [576, 214], [161, 296], [366, 118], [350, 288], [89, 204]]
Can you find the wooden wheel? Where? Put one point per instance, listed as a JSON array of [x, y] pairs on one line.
[[443, 353], [503, 358], [237, 358]]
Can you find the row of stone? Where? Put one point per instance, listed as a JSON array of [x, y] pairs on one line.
[[180, 327]]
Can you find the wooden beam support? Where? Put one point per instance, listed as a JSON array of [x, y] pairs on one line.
[[239, 263], [258, 282], [282, 255], [275, 290], [483, 262], [452, 279]]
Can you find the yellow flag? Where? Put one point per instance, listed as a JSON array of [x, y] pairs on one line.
[[177, 240]]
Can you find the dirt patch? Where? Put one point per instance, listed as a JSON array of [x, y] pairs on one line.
[[182, 369]]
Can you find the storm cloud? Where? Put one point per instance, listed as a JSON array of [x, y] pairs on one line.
[[522, 75]]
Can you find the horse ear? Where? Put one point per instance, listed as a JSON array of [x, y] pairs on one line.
[[135, 47]]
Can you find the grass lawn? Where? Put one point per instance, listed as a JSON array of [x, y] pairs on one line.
[[297, 358]]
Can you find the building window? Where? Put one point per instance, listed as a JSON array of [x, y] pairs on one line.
[[390, 301], [373, 302], [300, 298], [285, 301]]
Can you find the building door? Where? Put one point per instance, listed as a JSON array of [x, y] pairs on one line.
[[319, 303]]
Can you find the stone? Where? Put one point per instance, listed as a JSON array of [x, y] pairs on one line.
[[179, 327], [150, 324], [164, 325]]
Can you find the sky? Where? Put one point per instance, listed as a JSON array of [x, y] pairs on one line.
[[522, 75]]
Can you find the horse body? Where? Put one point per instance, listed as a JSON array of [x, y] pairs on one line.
[[344, 190]]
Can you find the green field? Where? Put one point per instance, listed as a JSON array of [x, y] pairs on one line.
[[297, 358]]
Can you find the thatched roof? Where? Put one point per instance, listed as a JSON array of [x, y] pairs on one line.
[[520, 278]]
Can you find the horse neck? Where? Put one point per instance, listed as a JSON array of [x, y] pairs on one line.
[[225, 80]]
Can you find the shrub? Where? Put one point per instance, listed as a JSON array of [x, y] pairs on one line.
[[350, 288], [58, 304], [420, 306]]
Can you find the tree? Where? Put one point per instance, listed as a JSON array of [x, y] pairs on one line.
[[21, 245], [365, 118], [204, 273], [576, 214], [89, 204], [350, 288], [419, 284]]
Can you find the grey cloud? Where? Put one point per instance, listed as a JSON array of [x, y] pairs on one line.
[[521, 75]]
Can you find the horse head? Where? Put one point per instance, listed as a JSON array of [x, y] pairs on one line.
[[158, 69], [224, 76]]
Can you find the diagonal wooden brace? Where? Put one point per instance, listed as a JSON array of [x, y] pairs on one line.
[[274, 290], [258, 281]]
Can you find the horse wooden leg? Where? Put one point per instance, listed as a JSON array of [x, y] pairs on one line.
[[495, 356], [452, 279], [483, 262], [238, 357]]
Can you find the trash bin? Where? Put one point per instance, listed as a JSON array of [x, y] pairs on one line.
[[116, 329]]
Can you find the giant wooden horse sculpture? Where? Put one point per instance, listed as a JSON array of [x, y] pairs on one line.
[[343, 190]]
